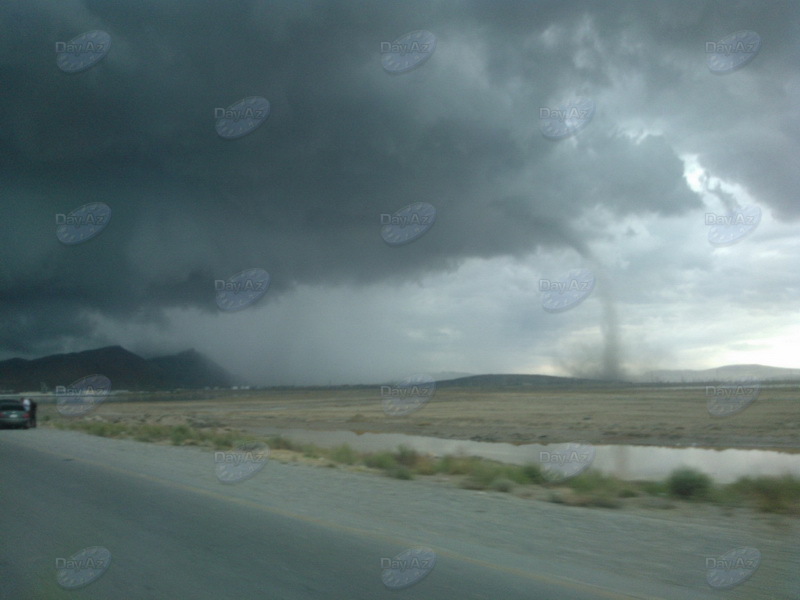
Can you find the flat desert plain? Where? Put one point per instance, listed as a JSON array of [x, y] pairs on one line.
[[648, 415]]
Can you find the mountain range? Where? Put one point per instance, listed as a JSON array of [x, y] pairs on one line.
[[191, 370], [126, 370]]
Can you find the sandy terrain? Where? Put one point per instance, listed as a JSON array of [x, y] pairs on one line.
[[642, 416]]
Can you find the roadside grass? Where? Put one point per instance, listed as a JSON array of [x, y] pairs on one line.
[[500, 477], [780, 495], [653, 488], [177, 435], [593, 488]]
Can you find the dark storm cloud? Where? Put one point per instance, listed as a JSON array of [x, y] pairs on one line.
[[345, 141]]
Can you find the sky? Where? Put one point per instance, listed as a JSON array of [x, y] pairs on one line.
[[624, 196]]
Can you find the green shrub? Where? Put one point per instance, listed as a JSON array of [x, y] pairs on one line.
[[688, 484], [400, 472], [533, 473], [179, 434], [380, 460], [344, 454], [406, 456]]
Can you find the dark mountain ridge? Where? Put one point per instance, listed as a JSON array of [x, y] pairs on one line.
[[126, 370]]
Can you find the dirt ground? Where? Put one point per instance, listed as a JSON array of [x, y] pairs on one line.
[[642, 416]]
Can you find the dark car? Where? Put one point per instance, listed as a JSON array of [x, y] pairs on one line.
[[13, 414]]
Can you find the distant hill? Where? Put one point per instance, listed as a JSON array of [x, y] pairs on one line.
[[125, 369], [726, 373], [523, 381], [445, 375], [190, 369]]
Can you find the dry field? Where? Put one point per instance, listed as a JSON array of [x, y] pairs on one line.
[[646, 416]]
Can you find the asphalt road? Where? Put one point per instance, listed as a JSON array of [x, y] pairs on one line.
[[296, 532]]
